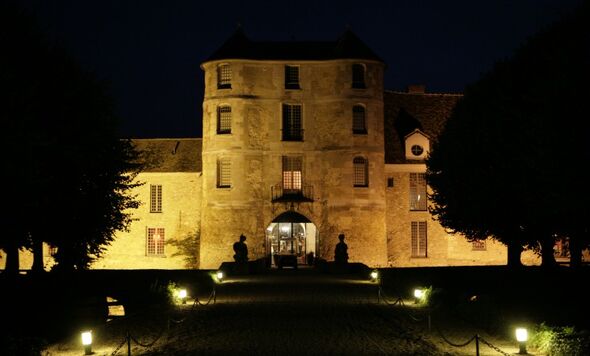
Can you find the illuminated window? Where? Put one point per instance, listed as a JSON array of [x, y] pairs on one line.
[[224, 120], [223, 173], [358, 76], [224, 77], [419, 239], [479, 245], [155, 241], [358, 120], [292, 130], [52, 251], [417, 192], [155, 198], [360, 166], [292, 174], [291, 77]]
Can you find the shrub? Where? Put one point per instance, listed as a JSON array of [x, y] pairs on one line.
[[560, 341]]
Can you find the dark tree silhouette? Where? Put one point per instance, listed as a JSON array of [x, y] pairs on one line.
[[69, 173], [507, 164]]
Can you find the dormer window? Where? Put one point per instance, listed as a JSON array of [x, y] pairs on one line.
[[358, 76], [224, 76], [292, 77], [417, 145]]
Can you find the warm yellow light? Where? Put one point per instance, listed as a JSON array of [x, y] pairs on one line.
[[182, 293], [285, 228], [374, 275], [219, 275], [418, 293], [86, 338], [521, 335]]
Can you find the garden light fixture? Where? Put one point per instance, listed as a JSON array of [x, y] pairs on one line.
[[374, 275], [182, 295], [522, 336], [87, 342], [219, 275], [418, 295]]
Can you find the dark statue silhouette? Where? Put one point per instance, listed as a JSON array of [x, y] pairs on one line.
[[341, 251], [241, 250]]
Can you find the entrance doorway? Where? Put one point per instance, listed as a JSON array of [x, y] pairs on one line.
[[291, 240]]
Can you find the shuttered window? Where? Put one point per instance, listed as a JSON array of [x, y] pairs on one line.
[[359, 125], [358, 76], [223, 173], [224, 120], [292, 174], [419, 242], [291, 77], [360, 166], [292, 130], [224, 76], [418, 192], [155, 198]]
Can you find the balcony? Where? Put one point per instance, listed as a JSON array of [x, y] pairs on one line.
[[280, 194]]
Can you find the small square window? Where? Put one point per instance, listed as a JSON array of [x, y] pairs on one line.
[[292, 77], [390, 182]]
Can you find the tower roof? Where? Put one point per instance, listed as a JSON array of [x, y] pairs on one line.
[[239, 46]]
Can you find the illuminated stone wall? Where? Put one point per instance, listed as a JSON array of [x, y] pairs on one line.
[[180, 217], [255, 149]]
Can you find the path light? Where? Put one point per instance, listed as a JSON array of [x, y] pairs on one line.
[[418, 295], [87, 342], [374, 275], [522, 336], [219, 276], [182, 295]]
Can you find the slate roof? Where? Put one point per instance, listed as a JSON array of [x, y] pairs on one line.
[[405, 112], [348, 46], [170, 154]]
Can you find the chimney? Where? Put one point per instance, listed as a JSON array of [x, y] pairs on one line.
[[416, 89]]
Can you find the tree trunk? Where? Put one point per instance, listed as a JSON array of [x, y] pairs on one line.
[[547, 254], [514, 251], [37, 257], [575, 252], [12, 260]]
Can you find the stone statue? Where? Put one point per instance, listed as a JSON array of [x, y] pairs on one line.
[[241, 250], [341, 251]]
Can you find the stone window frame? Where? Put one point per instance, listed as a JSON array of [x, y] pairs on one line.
[[360, 172], [155, 198], [223, 173], [418, 196], [359, 76], [419, 239], [292, 173], [155, 241], [224, 122], [359, 119], [292, 79], [224, 76]]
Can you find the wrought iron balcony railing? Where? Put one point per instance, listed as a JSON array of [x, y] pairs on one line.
[[279, 193]]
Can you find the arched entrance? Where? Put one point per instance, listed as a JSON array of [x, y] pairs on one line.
[[291, 240]]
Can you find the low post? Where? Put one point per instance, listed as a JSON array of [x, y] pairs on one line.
[[87, 342], [476, 345], [522, 336], [128, 343]]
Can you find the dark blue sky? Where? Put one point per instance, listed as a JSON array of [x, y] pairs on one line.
[[150, 51]]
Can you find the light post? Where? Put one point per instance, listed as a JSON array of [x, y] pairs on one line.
[[418, 295], [182, 295], [375, 275], [219, 276], [522, 337], [87, 342]]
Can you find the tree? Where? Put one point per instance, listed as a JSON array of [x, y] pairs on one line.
[[69, 172], [506, 164]]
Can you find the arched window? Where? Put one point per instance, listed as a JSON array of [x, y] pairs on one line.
[[359, 125], [224, 76], [358, 76], [361, 172], [224, 120]]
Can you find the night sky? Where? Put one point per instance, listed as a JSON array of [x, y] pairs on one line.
[[150, 51]]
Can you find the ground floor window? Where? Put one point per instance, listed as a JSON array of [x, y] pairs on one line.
[[155, 241], [419, 242]]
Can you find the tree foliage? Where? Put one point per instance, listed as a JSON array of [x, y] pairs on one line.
[[509, 162], [68, 172]]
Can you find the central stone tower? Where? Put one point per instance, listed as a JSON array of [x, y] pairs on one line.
[[293, 150]]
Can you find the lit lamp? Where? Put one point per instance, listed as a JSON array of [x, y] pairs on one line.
[[374, 275], [418, 295], [522, 336], [182, 295], [219, 275], [87, 342]]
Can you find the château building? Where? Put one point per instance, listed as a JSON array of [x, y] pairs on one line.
[[300, 144]]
